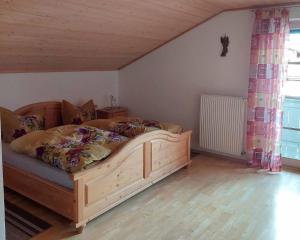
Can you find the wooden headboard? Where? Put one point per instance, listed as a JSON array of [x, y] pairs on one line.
[[52, 112]]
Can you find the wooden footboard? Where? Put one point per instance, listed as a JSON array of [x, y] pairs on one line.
[[140, 163]]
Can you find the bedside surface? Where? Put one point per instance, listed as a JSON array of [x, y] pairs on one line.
[[111, 112], [113, 109]]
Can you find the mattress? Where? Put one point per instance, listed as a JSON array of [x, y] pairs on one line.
[[36, 167]]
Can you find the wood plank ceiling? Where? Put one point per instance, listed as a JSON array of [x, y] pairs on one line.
[[82, 35]]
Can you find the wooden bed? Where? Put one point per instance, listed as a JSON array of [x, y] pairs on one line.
[[142, 162]]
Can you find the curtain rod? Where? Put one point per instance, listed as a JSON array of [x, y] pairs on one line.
[[275, 6]]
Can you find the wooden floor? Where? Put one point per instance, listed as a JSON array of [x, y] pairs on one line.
[[214, 199]]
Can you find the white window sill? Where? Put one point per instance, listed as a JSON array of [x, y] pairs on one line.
[[291, 162]]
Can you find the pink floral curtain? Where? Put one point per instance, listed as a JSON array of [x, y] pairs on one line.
[[267, 73]]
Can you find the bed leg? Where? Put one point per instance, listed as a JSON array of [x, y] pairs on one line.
[[80, 229], [187, 166]]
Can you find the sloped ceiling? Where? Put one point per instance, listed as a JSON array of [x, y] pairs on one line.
[[82, 35]]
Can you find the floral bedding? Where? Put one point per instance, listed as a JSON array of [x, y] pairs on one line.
[[70, 147], [131, 127], [15, 126], [29, 124]]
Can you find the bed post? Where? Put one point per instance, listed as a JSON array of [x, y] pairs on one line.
[[79, 205], [189, 150]]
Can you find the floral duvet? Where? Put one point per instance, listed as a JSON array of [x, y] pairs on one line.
[[132, 127], [70, 147]]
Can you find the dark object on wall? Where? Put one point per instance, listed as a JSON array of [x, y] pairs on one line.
[[225, 44]]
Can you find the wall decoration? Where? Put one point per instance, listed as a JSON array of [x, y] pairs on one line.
[[225, 44]]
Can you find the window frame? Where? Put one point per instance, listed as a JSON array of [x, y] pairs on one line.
[[292, 78]]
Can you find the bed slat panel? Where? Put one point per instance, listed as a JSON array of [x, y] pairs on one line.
[[164, 153], [129, 171], [53, 196]]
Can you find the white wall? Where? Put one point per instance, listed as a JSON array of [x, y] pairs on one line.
[[2, 210], [19, 89], [166, 84]]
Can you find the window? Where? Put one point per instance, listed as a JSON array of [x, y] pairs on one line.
[[294, 56], [292, 86], [291, 107]]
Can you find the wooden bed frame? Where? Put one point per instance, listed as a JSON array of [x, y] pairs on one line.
[[142, 162]]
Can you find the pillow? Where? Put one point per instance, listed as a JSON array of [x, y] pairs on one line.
[[171, 127], [103, 124], [133, 120], [127, 129], [14, 126], [77, 115], [36, 139]]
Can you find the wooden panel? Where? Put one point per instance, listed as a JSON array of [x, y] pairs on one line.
[[52, 111], [166, 152], [79, 200], [55, 35], [127, 173], [59, 199], [106, 113], [100, 207]]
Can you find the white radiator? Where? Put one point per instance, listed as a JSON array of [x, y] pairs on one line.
[[222, 124]]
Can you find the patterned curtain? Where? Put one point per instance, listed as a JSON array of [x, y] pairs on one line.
[[267, 74]]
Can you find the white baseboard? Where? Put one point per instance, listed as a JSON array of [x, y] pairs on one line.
[[285, 161], [224, 155]]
